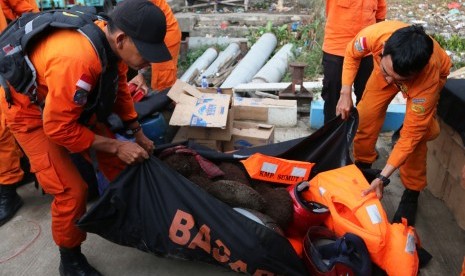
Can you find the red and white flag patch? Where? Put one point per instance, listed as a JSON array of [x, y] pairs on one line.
[[85, 82], [361, 44]]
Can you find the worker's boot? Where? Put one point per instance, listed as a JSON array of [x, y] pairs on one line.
[[74, 263], [407, 207], [10, 202]]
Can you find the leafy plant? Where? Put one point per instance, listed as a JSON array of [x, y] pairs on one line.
[[192, 55], [455, 44], [306, 39], [261, 5]]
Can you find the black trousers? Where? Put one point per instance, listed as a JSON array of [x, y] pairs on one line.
[[332, 71]]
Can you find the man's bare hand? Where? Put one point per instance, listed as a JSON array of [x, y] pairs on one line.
[[131, 153], [375, 186], [144, 142], [345, 104]]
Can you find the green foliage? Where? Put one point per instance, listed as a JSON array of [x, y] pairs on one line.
[[192, 55], [261, 5], [454, 43], [306, 38]]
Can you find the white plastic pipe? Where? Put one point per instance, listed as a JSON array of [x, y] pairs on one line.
[[276, 67], [231, 52], [258, 54], [200, 64]]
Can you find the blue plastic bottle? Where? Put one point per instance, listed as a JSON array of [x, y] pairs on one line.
[[204, 82]]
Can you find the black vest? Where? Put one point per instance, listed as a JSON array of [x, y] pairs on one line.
[[17, 70]]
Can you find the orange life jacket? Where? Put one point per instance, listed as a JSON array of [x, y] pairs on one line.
[[277, 170], [391, 247]]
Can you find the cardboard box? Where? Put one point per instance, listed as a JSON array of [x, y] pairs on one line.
[[194, 108], [206, 133], [214, 90], [453, 197], [441, 147], [248, 134], [211, 144], [436, 176], [446, 158], [180, 136], [271, 111]]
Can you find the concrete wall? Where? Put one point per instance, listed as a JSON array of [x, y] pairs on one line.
[[238, 24]]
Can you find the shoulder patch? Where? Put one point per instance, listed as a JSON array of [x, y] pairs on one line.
[[80, 97], [418, 109], [418, 100], [85, 82], [361, 44]]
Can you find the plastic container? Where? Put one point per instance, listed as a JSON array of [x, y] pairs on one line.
[[155, 128], [204, 82]]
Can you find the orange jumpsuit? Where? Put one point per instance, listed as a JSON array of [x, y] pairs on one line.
[[14, 8], [344, 19], [10, 154], [65, 62], [421, 93], [359, 13], [164, 74]]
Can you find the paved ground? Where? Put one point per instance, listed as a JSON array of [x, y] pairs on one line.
[[26, 246]]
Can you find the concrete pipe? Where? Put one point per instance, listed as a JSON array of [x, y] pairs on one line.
[[231, 52], [199, 65], [258, 54], [276, 67]]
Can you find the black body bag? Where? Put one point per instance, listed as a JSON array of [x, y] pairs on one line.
[[155, 209]]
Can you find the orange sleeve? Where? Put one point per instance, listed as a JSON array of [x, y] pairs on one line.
[[422, 99], [362, 45], [368, 41], [381, 11], [173, 31], [124, 105], [3, 23], [18, 7], [62, 106], [7, 13]]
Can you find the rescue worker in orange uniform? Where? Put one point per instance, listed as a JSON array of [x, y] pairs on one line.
[[164, 74], [10, 154], [344, 19], [68, 69], [406, 59]]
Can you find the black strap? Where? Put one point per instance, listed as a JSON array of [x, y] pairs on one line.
[[101, 101]]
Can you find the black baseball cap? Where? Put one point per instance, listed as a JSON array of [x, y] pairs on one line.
[[145, 24]]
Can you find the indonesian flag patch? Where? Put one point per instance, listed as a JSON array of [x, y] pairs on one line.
[[85, 82], [361, 44], [83, 87]]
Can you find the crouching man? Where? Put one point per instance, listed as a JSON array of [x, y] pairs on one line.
[[405, 59], [80, 78]]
